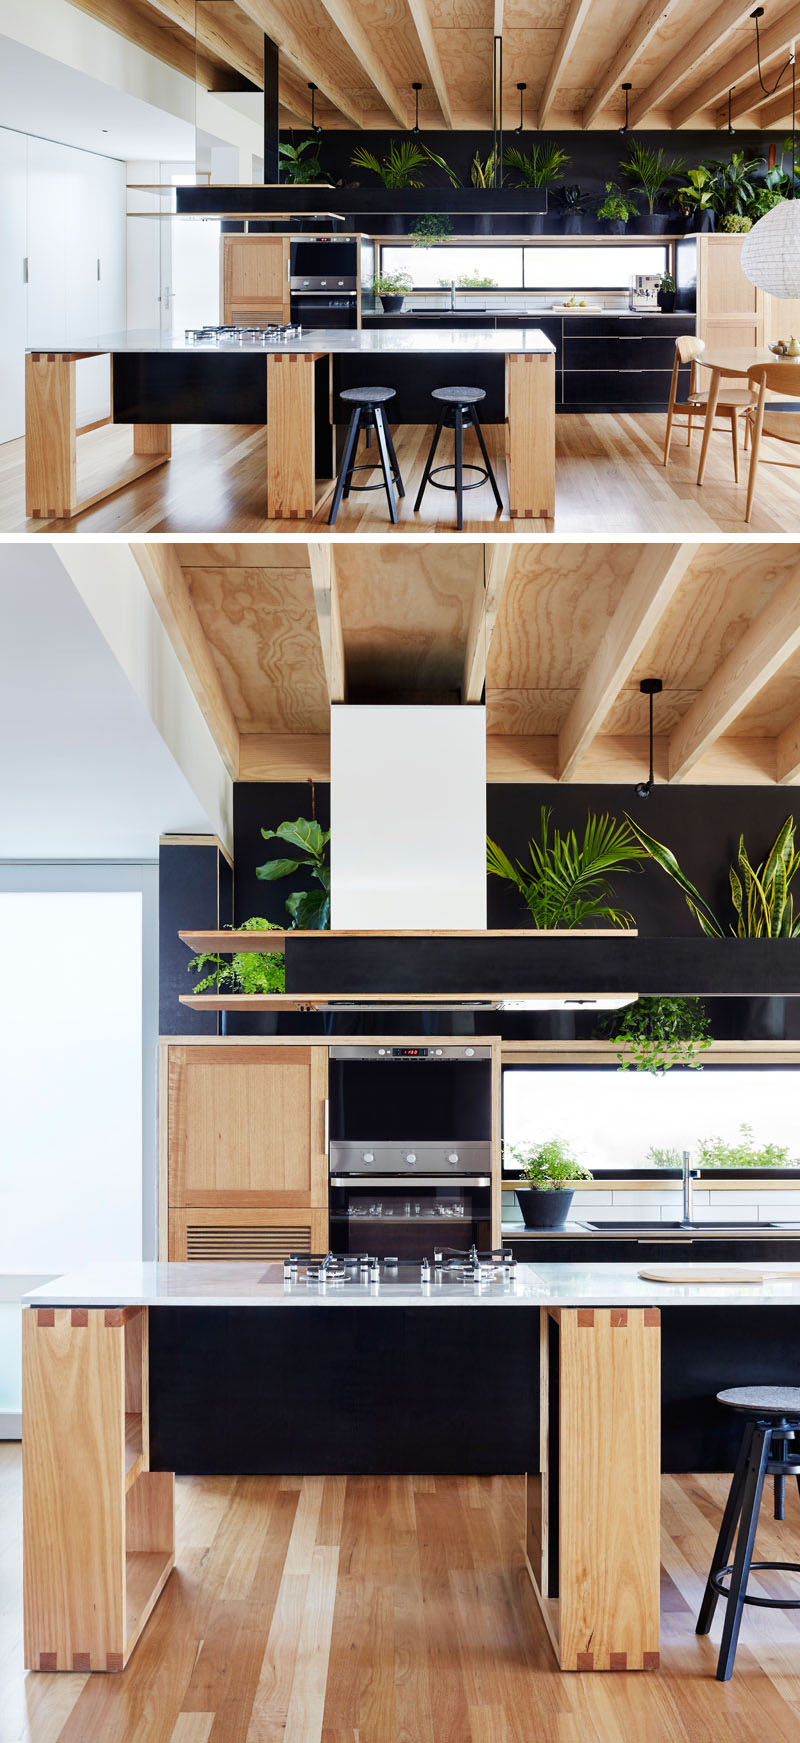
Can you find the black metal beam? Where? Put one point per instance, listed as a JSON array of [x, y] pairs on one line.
[[272, 172]]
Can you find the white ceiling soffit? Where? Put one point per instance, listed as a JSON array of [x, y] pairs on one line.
[[53, 101], [84, 774]]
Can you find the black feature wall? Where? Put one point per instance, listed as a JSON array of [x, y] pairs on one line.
[[195, 889]]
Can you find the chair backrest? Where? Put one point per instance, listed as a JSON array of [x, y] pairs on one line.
[[688, 347], [783, 378]]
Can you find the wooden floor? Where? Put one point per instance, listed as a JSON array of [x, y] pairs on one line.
[[609, 481], [396, 1610]]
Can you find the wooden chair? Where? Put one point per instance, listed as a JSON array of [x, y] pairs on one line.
[[776, 421], [730, 405]]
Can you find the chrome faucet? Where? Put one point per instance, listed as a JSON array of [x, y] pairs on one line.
[[452, 294], [688, 1188]]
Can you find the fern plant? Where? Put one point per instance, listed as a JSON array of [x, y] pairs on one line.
[[310, 910], [567, 884], [245, 971], [540, 166], [762, 900]]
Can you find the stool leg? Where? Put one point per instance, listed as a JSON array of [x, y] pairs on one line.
[[347, 461], [751, 1502], [727, 1532], [429, 462], [396, 473], [362, 423], [487, 462], [780, 1451], [459, 469], [380, 431]]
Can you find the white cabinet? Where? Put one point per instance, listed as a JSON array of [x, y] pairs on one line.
[[13, 295]]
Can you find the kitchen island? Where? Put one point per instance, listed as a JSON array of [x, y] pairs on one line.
[[292, 385], [100, 1346]]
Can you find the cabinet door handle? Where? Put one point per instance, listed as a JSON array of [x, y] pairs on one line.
[[25, 270], [326, 1125]]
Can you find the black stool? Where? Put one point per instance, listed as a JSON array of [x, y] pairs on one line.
[[368, 414], [773, 1414], [458, 403]]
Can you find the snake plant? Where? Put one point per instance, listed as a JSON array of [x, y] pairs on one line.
[[761, 896]]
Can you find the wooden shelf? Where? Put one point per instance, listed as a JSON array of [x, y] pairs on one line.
[[321, 1001], [226, 942], [146, 1574]]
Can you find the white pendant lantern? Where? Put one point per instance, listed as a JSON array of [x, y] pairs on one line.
[[771, 251]]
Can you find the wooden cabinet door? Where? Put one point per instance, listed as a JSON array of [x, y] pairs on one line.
[[247, 1126], [254, 276], [730, 309]]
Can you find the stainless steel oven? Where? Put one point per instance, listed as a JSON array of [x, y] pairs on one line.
[[410, 1149], [323, 281]]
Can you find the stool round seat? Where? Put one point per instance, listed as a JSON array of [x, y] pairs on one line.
[[459, 395], [367, 395], [778, 1401]]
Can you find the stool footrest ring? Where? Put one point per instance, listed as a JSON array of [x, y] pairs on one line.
[[788, 1567], [437, 485]]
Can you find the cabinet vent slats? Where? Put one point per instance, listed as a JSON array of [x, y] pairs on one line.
[[210, 1241]]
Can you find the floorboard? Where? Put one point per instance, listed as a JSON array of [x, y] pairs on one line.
[[609, 481], [395, 1610]]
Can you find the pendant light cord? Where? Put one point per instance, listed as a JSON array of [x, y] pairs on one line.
[[650, 778], [787, 63]]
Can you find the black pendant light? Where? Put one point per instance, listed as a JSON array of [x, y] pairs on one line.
[[624, 128], [522, 89], [315, 127], [416, 88], [730, 110], [649, 687]]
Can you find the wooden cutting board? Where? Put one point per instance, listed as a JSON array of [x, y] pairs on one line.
[[713, 1274]]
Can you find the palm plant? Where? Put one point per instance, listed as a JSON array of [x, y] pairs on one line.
[[309, 909], [296, 165], [539, 167], [762, 901], [568, 884], [650, 170], [401, 166]]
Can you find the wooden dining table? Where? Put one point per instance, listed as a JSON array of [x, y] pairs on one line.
[[727, 360]]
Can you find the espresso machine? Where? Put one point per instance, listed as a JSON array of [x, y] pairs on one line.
[[643, 294]]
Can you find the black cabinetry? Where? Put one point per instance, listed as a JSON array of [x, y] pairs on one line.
[[655, 1249]]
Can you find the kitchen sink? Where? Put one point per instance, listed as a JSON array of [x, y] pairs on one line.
[[696, 1228]]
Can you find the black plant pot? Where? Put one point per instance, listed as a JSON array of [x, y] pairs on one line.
[[392, 305], [614, 226], [536, 224], [545, 1210], [703, 221], [573, 224], [653, 223], [666, 302]]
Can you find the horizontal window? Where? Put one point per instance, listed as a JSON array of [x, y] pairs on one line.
[[592, 266], [435, 268]]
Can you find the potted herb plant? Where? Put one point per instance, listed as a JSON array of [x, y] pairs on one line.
[[666, 294], [616, 209], [392, 287], [537, 168], [550, 1168], [651, 171], [695, 198]]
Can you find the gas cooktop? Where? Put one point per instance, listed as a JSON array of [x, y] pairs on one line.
[[242, 335], [451, 1263]]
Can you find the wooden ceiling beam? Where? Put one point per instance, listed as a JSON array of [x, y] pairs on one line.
[[142, 23], [710, 38], [787, 754], [421, 20], [322, 564], [772, 638], [165, 582], [649, 22], [651, 588], [348, 24], [731, 73], [310, 60], [567, 43], [498, 559], [777, 111]]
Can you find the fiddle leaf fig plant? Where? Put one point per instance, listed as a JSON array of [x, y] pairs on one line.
[[657, 1033], [245, 971], [568, 881], [309, 910]]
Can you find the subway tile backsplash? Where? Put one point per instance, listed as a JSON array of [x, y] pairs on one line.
[[625, 1204]]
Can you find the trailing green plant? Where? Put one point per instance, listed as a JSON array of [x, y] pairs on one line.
[[657, 1033], [717, 1153], [432, 228], [483, 171], [392, 284], [403, 164], [650, 170], [549, 1165], [568, 881], [617, 205], [762, 900], [244, 971], [310, 910], [696, 195], [539, 167], [295, 163]]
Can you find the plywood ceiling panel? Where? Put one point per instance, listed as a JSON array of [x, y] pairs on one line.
[[555, 608], [405, 612], [724, 590], [262, 628]]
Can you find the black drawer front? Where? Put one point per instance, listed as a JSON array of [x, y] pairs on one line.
[[627, 326], [616, 387], [626, 352]]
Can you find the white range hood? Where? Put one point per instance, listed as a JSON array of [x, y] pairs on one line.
[[408, 818]]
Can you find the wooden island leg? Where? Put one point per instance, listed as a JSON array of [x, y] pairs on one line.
[[51, 437], [531, 435], [291, 468], [98, 1525], [592, 1527]]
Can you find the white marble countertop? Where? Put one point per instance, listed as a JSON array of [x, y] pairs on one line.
[[243, 1284], [374, 342]]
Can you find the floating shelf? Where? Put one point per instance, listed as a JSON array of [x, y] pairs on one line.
[[234, 938]]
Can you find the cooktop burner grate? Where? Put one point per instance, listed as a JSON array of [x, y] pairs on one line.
[[453, 1263], [212, 335]]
